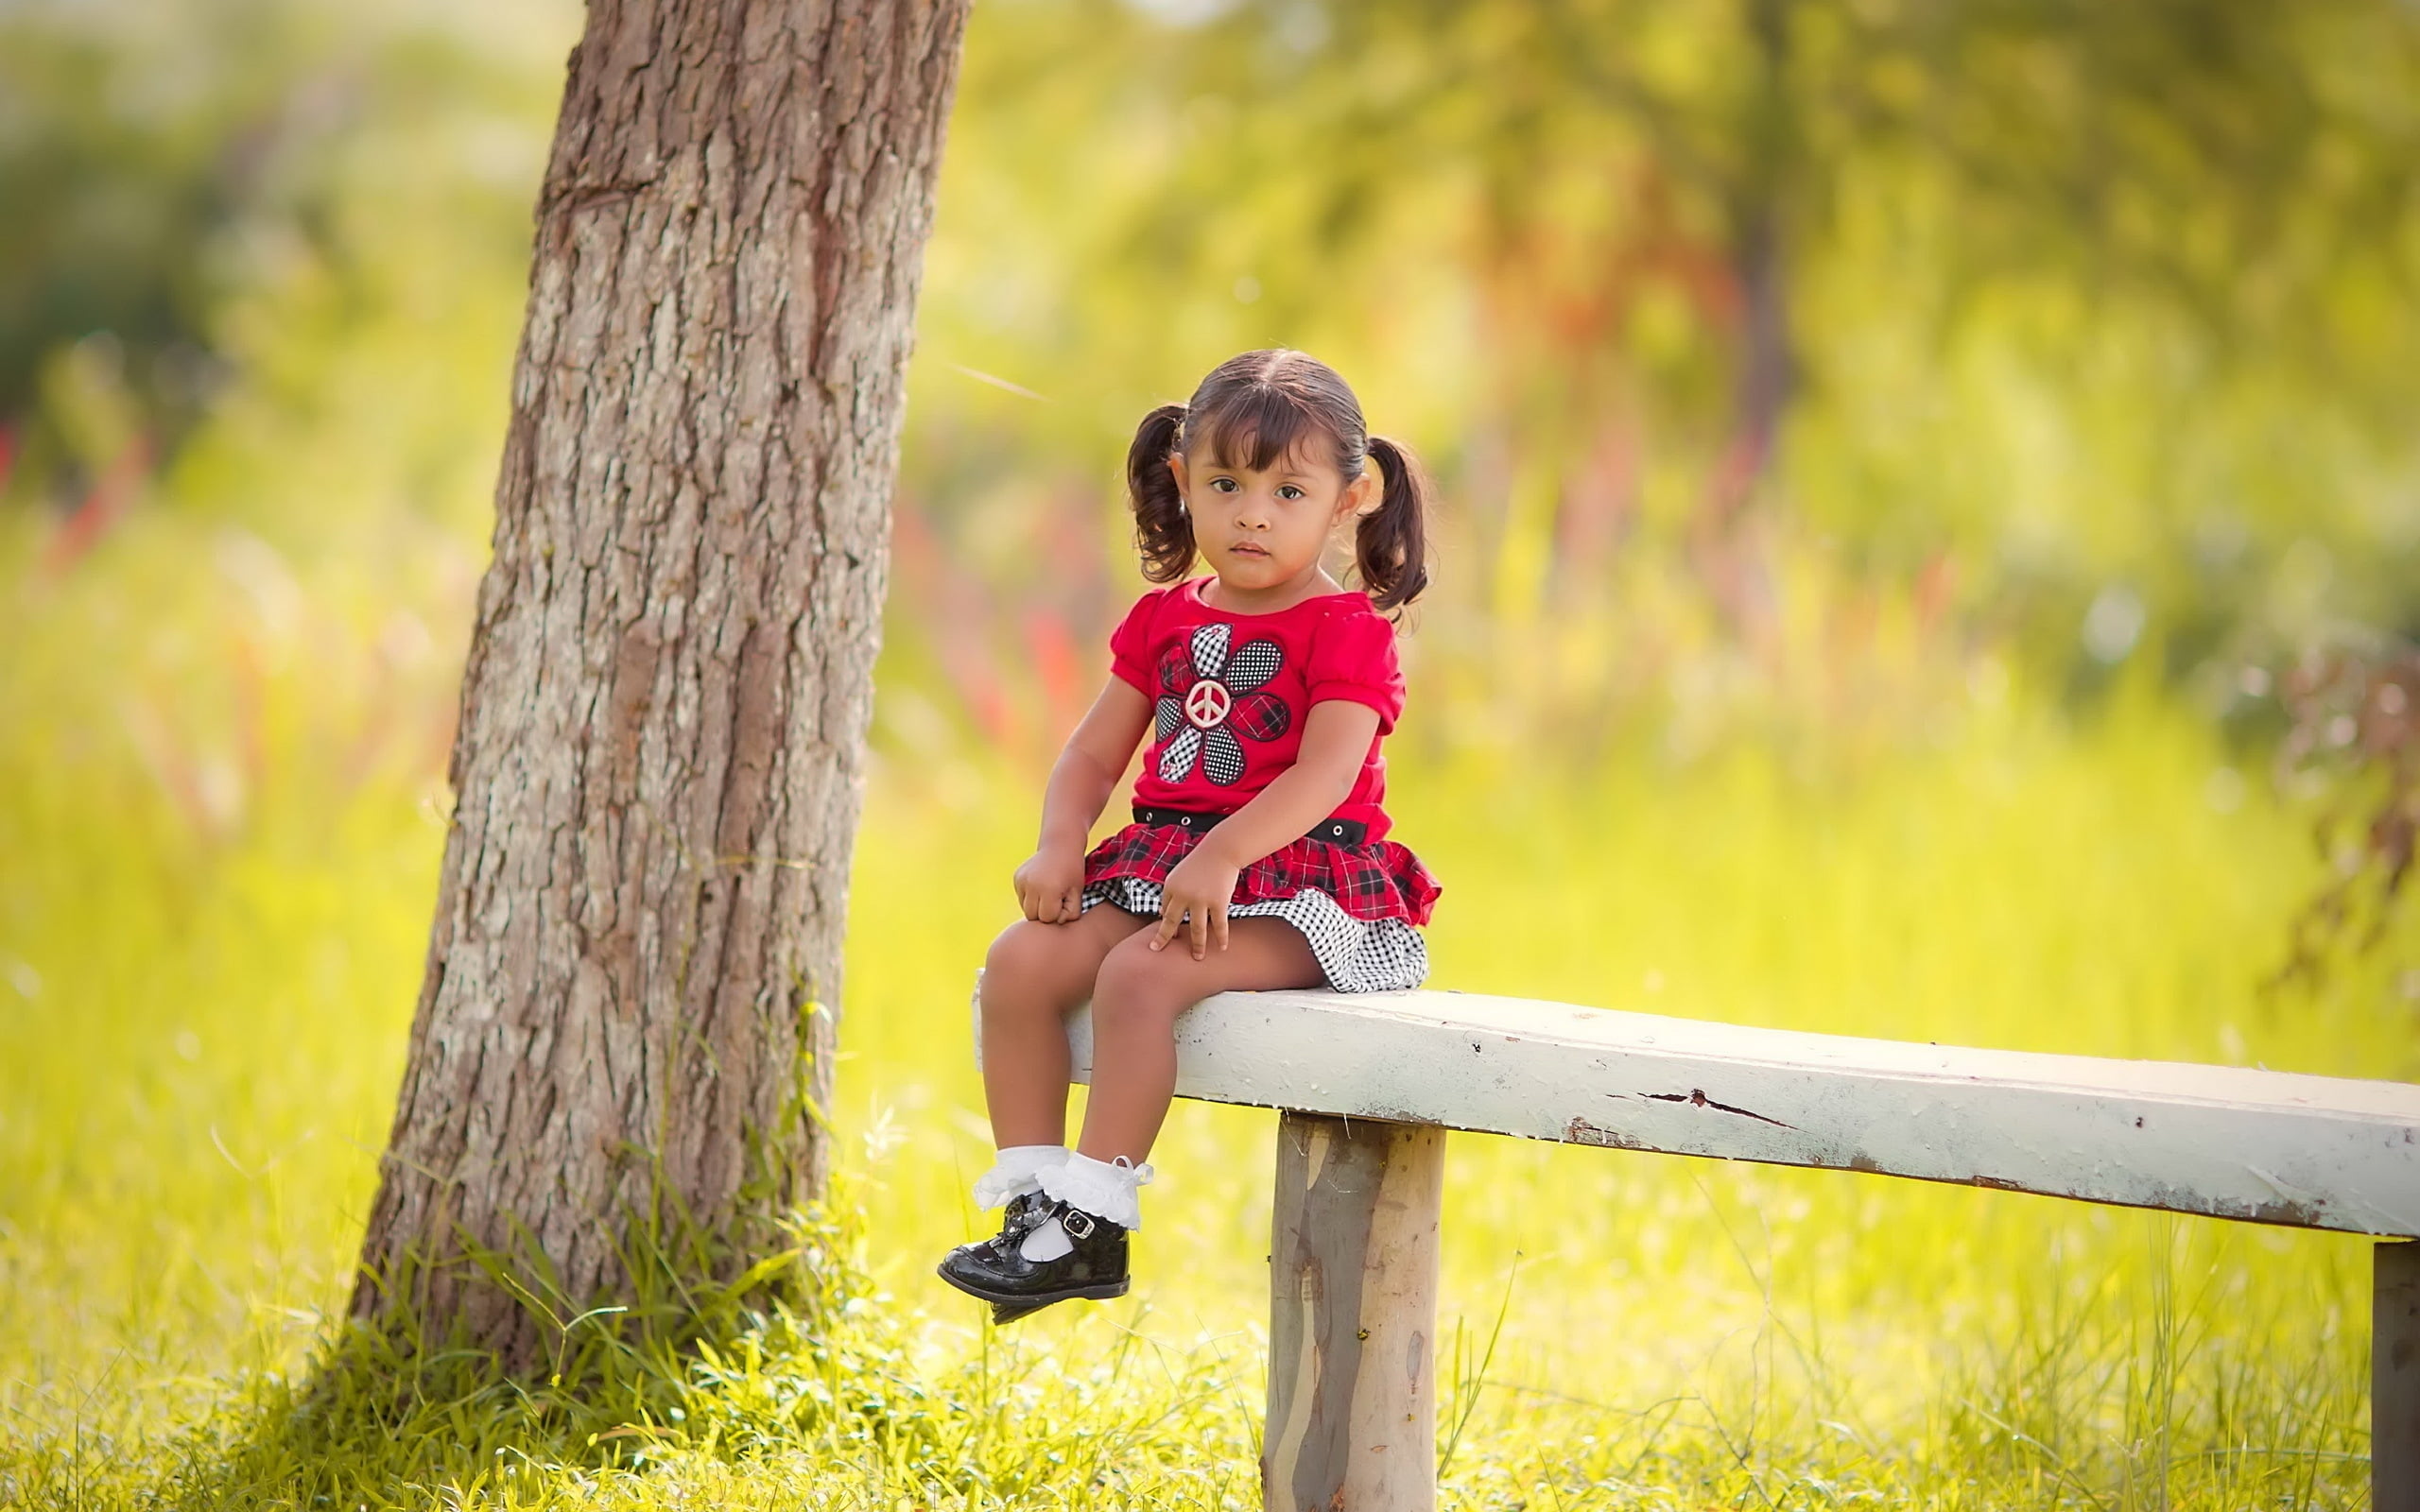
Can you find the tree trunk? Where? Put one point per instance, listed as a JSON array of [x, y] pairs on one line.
[[625, 1024]]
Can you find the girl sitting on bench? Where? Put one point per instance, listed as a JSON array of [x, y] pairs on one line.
[[1258, 857]]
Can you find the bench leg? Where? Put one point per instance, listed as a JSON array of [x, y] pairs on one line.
[[1353, 1317], [2395, 1375]]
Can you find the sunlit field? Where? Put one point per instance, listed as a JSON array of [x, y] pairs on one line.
[[208, 953]]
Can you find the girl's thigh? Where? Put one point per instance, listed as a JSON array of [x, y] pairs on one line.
[[1262, 955]]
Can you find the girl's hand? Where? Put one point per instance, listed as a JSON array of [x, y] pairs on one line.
[[1050, 885], [1201, 884]]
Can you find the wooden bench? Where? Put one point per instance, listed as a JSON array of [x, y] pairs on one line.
[[1367, 1085]]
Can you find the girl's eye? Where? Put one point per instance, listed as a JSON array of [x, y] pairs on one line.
[[1288, 491], [1223, 485]]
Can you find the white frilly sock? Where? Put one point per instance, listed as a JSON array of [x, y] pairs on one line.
[[1105, 1189], [1016, 1169], [1045, 1240]]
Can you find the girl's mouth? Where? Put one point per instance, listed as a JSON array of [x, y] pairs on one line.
[[1248, 548]]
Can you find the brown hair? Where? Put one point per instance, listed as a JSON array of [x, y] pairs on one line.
[[1268, 400]]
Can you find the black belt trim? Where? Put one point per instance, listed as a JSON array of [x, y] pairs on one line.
[[1344, 832]]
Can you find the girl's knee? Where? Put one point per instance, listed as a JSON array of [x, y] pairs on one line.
[[1018, 967], [1132, 985]]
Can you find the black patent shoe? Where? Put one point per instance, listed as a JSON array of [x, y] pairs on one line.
[[1019, 1217], [1003, 1314], [1094, 1268]]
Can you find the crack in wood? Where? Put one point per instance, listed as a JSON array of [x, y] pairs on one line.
[[1696, 1097]]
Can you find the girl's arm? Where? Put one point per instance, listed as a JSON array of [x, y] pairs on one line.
[[1051, 885], [1336, 737]]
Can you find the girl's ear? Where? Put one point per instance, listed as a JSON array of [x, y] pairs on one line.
[[1176, 470], [1361, 495]]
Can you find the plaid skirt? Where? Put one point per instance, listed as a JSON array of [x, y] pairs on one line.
[[1357, 905]]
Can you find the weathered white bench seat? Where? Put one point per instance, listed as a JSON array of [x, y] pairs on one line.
[[2315, 1152], [1368, 1083]]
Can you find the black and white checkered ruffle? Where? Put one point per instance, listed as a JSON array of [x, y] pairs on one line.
[[1358, 954]]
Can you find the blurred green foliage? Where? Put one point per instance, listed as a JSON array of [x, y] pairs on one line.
[[2098, 315], [2077, 328], [262, 261]]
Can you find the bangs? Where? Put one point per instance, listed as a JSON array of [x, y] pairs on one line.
[[1254, 429]]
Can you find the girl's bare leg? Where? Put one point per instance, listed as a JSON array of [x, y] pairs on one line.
[[1136, 997], [1034, 975]]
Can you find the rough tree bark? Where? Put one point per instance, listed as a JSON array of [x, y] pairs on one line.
[[626, 1018]]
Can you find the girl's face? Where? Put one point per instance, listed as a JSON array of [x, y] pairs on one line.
[[1265, 529]]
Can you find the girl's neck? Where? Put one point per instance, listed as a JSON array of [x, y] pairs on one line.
[[1278, 597]]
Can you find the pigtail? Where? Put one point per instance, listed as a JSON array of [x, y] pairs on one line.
[[1390, 547], [1162, 531]]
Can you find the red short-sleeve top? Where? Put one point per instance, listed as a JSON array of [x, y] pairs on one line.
[[1230, 693]]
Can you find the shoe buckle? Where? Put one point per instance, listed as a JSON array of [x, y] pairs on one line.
[[1078, 1223]]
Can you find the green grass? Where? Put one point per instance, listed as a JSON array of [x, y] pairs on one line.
[[203, 1002]]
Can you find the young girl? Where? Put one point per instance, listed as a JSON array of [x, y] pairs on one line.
[[1258, 858]]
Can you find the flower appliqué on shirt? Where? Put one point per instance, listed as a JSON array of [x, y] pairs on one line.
[[1209, 696]]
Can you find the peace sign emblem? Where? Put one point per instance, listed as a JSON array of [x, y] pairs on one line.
[[1207, 704]]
